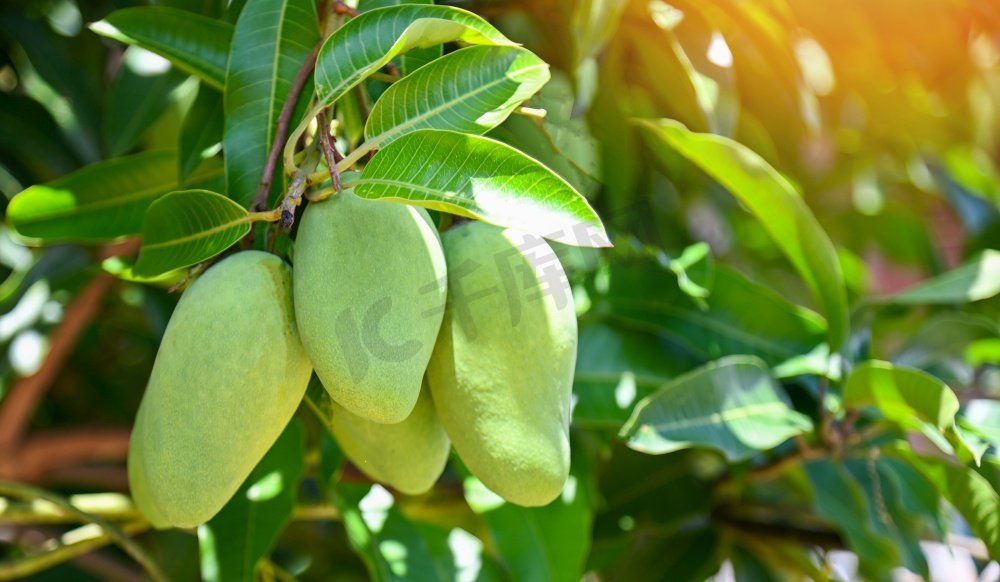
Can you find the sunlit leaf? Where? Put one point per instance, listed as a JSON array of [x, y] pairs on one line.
[[415, 58], [901, 394], [186, 227], [974, 281], [481, 178], [732, 405], [196, 44]]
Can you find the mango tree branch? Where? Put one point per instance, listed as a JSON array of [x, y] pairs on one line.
[[83, 542]]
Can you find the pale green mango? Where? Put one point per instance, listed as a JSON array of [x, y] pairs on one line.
[[502, 370], [228, 377], [409, 456], [370, 287]]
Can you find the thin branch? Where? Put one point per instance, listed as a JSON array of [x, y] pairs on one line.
[[41, 454], [117, 535], [284, 119], [35, 563], [330, 152]]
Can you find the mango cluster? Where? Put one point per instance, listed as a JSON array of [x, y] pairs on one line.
[[423, 341]]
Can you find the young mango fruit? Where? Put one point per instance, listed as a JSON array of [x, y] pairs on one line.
[[228, 376], [409, 456], [370, 286], [502, 370]]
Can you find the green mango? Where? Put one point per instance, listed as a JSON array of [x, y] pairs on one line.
[[228, 377], [502, 371], [409, 456], [370, 286]]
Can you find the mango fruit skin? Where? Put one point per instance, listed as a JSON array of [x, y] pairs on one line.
[[370, 286], [502, 370], [409, 456], [229, 375]]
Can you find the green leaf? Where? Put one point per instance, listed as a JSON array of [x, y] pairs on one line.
[[415, 58], [477, 177], [982, 417], [196, 44], [471, 91], [647, 297], [272, 40], [368, 42], [968, 491], [901, 394], [838, 498], [32, 137], [235, 540], [137, 99], [201, 133], [732, 405], [101, 202], [187, 227], [775, 202], [974, 281]]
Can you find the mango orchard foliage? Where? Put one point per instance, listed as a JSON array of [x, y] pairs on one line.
[[404, 344]]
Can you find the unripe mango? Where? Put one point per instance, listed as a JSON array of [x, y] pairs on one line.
[[370, 286], [409, 456], [228, 376], [502, 370]]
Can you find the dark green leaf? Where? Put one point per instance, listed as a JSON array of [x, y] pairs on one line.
[[235, 540], [33, 138], [196, 44], [137, 98], [186, 227], [974, 281], [201, 134], [901, 394], [101, 202], [775, 202], [481, 178], [732, 405], [271, 41]]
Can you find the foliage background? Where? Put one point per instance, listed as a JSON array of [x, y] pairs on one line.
[[884, 115]]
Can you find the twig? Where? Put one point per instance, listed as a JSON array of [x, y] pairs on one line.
[[339, 7], [40, 454], [330, 152], [20, 402], [292, 200], [117, 535], [284, 118], [38, 562]]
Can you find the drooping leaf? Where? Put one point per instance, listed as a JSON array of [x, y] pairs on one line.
[[366, 43], [239, 536], [201, 134], [477, 177], [974, 281], [415, 58], [186, 227], [137, 99], [732, 405], [775, 202], [901, 394], [471, 91], [271, 41], [103, 201], [196, 44]]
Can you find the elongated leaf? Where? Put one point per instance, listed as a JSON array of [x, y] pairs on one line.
[[975, 281], [186, 227], [196, 44], [235, 540], [732, 405], [471, 91], [366, 43], [32, 137], [415, 58], [103, 201], [201, 134], [774, 201], [901, 394], [139, 98], [272, 40], [481, 178]]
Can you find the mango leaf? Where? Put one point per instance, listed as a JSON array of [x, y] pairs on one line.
[[478, 177], [368, 42], [235, 540], [197, 44], [647, 297], [142, 95], [732, 405], [968, 491], [901, 394], [33, 138], [271, 41], [982, 417], [471, 91], [415, 58], [101, 202], [201, 133], [186, 227], [775, 202], [974, 281], [838, 498]]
